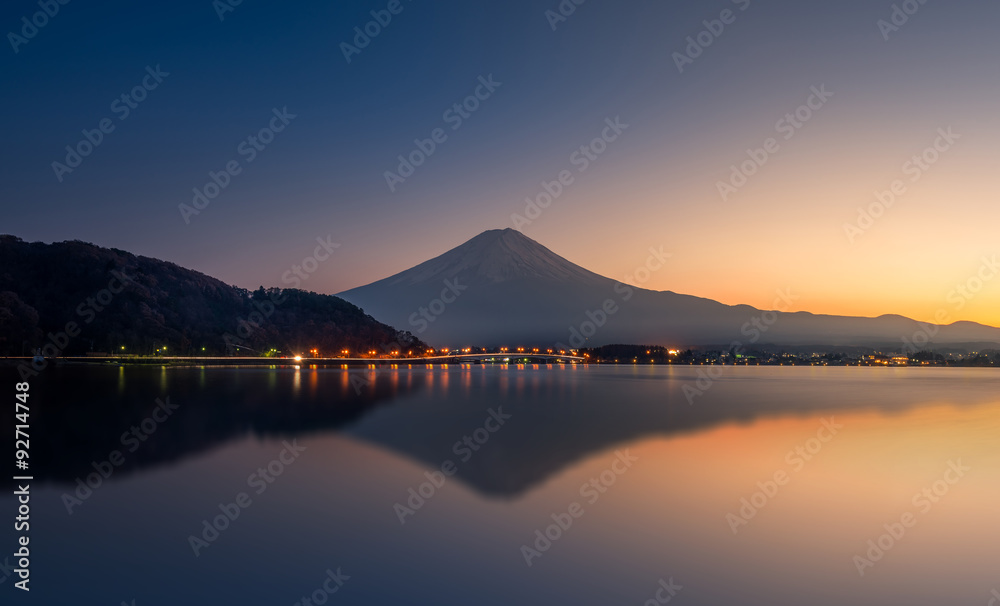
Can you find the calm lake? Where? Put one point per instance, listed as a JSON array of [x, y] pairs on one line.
[[486, 485]]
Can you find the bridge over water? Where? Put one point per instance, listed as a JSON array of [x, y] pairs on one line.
[[473, 358]]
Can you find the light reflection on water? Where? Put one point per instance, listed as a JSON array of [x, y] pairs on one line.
[[369, 442]]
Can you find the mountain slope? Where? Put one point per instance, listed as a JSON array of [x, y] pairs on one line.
[[502, 288], [43, 287], [495, 256]]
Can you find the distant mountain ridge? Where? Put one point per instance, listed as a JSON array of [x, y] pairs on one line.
[[512, 291], [116, 299], [498, 289]]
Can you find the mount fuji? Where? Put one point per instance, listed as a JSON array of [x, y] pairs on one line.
[[502, 288]]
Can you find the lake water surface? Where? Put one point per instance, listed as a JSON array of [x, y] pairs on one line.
[[765, 490]]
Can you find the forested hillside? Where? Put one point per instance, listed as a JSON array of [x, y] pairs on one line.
[[113, 300]]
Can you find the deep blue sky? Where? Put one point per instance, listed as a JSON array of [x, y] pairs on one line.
[[655, 186]]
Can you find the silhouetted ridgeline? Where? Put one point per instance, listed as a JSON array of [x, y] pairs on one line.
[[502, 288], [118, 299]]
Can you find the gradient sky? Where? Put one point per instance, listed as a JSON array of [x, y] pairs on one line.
[[655, 186]]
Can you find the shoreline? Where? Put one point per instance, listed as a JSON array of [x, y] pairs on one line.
[[230, 362]]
